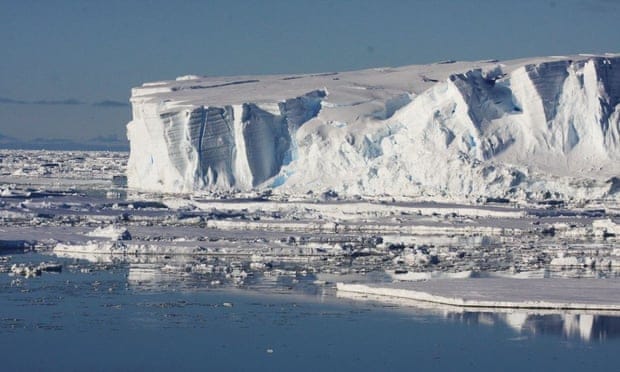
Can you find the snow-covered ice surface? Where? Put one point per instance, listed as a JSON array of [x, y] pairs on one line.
[[528, 129]]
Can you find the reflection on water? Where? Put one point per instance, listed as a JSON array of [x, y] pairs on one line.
[[582, 325], [308, 277], [308, 274], [587, 327]]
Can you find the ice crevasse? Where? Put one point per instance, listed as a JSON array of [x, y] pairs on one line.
[[524, 128]]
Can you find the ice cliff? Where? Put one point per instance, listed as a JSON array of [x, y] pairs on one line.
[[530, 128]]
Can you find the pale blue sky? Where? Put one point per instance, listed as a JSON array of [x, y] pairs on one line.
[[67, 67]]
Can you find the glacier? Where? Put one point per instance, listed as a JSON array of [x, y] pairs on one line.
[[533, 128]]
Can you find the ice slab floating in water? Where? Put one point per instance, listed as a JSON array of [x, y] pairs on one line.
[[558, 294]]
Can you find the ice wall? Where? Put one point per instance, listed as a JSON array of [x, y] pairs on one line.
[[184, 148], [527, 128]]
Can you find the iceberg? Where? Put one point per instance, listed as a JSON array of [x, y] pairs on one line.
[[532, 128]]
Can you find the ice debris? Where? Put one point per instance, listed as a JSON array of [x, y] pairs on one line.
[[111, 232], [606, 228], [30, 271]]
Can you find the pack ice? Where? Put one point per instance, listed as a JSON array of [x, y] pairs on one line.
[[530, 128]]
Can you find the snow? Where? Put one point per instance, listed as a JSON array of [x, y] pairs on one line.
[[526, 129]]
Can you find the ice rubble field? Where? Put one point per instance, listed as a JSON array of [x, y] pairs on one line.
[[523, 129], [74, 205]]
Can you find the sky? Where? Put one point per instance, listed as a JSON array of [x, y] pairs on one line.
[[67, 67]]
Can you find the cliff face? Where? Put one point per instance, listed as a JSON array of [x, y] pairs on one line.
[[237, 146], [518, 128]]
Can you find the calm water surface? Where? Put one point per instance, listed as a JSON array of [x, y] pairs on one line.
[[99, 317]]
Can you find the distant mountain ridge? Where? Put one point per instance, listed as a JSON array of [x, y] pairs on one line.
[[101, 143]]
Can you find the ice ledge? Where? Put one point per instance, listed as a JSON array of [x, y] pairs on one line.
[[533, 294]]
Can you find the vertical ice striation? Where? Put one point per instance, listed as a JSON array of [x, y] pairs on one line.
[[242, 172], [301, 109], [199, 147], [548, 80], [190, 148], [267, 141], [608, 72], [486, 101], [561, 114], [298, 111], [215, 148]]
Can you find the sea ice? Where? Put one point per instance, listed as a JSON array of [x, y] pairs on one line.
[[542, 294]]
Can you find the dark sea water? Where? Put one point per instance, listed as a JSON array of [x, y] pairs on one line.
[[99, 317]]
